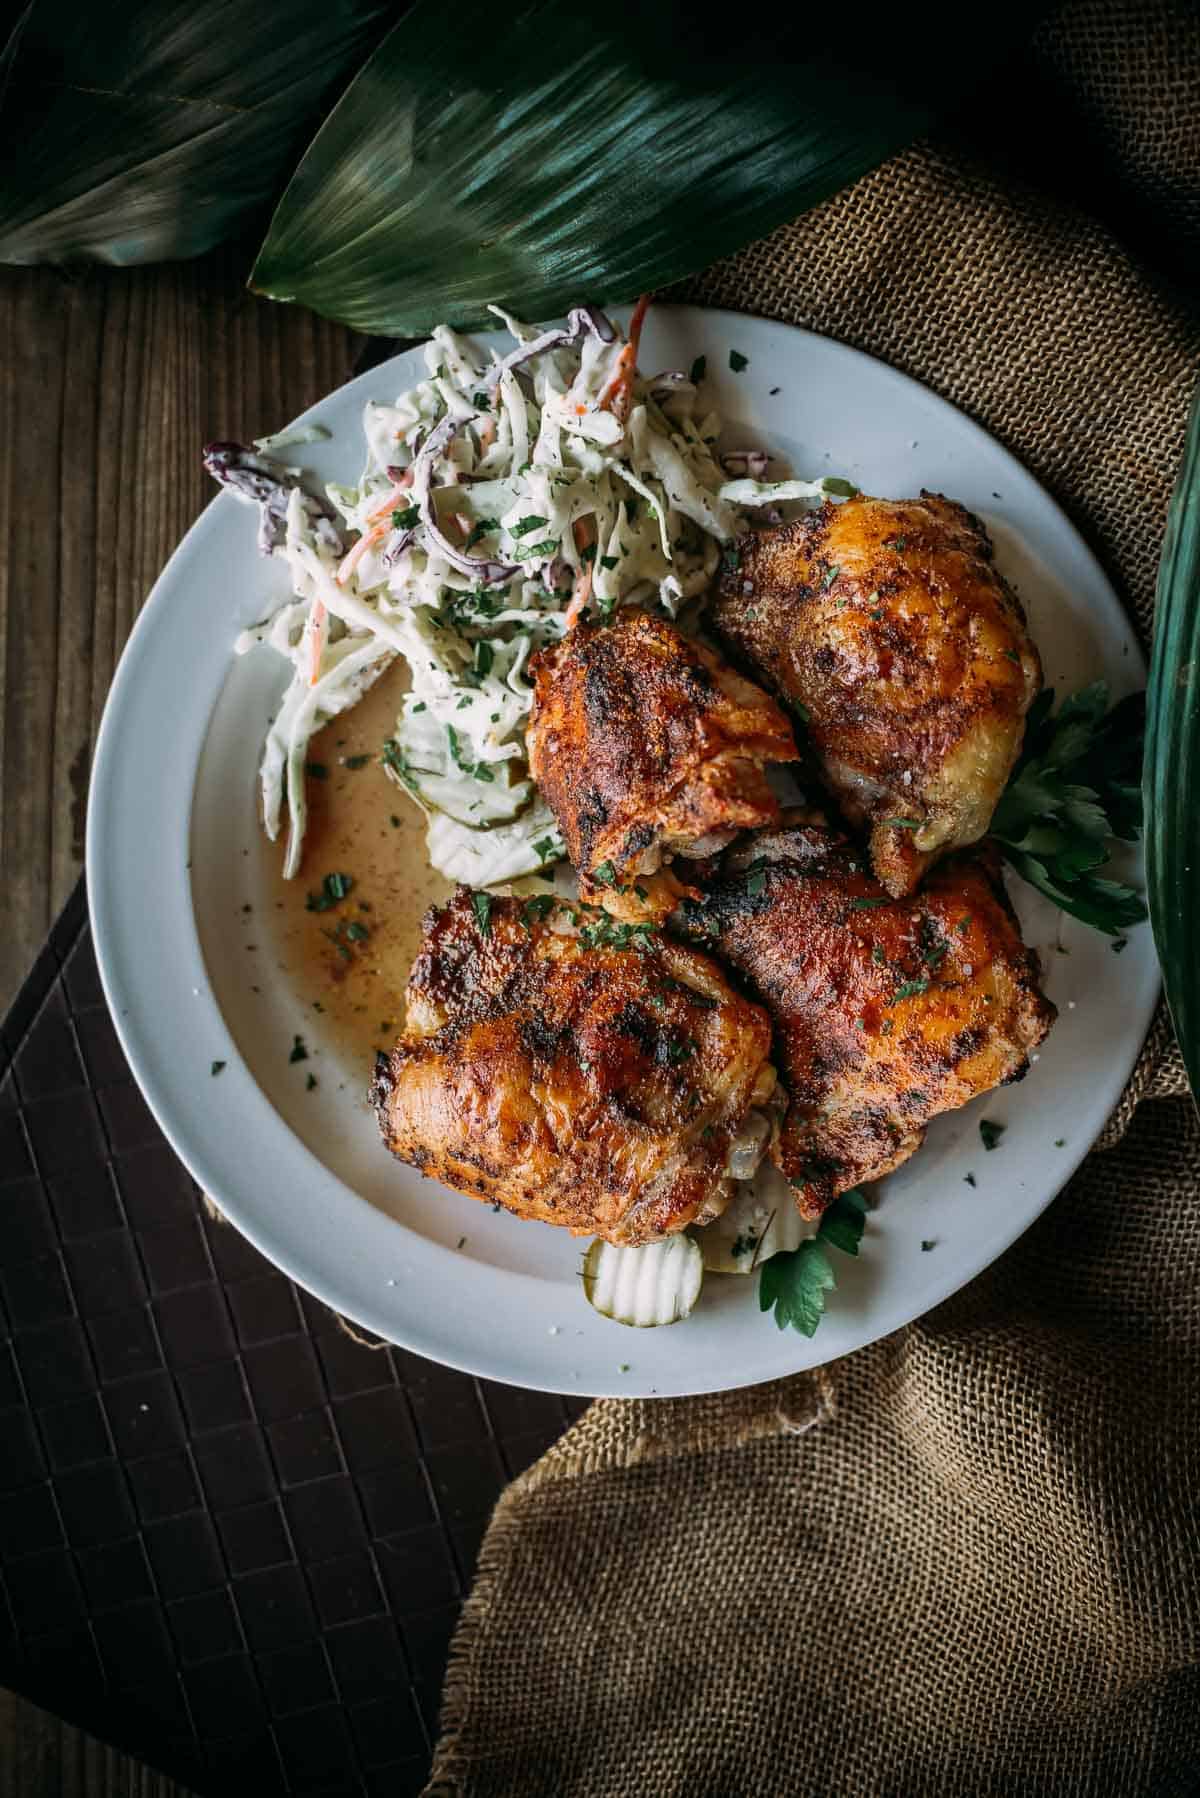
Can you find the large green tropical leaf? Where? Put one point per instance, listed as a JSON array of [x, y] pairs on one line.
[[597, 148], [145, 130], [1171, 780]]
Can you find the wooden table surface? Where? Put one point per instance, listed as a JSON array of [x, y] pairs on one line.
[[113, 380]]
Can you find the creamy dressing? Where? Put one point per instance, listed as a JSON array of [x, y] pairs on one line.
[[362, 824]]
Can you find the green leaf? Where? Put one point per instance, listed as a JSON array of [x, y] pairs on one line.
[[151, 129], [1172, 768], [794, 1283], [1072, 791], [591, 150], [1106, 905], [481, 905], [844, 1222]]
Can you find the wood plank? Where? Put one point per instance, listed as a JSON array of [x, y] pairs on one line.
[[43, 1757], [113, 380]]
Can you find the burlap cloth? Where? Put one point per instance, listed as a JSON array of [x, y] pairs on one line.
[[964, 1560]]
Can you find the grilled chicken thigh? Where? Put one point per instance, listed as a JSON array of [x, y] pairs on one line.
[[886, 1011], [646, 746], [613, 1090], [887, 621]]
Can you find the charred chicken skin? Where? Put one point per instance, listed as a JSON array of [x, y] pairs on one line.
[[574, 1081], [887, 621], [886, 1011], [646, 746]]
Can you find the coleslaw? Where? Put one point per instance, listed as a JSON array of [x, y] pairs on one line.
[[502, 497]]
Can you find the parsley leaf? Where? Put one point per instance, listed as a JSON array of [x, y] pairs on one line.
[[334, 889], [835, 484], [316, 770], [738, 362], [524, 526], [406, 518], [483, 527], [299, 1052], [216, 1067], [698, 370], [526, 552], [481, 905], [794, 1283], [1076, 786], [990, 1133]]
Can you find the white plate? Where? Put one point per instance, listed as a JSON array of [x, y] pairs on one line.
[[172, 853]]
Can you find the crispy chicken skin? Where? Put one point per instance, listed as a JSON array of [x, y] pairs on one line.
[[595, 1087], [645, 745], [887, 621], [886, 1011]]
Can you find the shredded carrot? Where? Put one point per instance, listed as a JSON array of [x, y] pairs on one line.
[[393, 498], [319, 630], [618, 394], [380, 521], [357, 551], [584, 532]]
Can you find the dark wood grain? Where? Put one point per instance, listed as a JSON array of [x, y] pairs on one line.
[[112, 379]]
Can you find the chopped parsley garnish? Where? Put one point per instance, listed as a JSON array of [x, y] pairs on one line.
[[355, 761], [831, 575], [483, 527], [587, 553], [299, 1052], [316, 770], [674, 1050], [970, 1180], [481, 905], [334, 889], [545, 849], [604, 932], [697, 371], [393, 757], [605, 875], [867, 904], [905, 823], [990, 1133], [310, 1083], [404, 520], [609, 561], [1012, 656], [216, 1068], [485, 655], [911, 989], [794, 1283], [524, 526], [477, 770], [756, 883], [896, 543], [356, 932], [929, 1242], [525, 552], [835, 484], [731, 559], [536, 909], [738, 362]]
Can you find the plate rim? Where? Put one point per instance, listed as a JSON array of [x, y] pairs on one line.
[[107, 767]]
